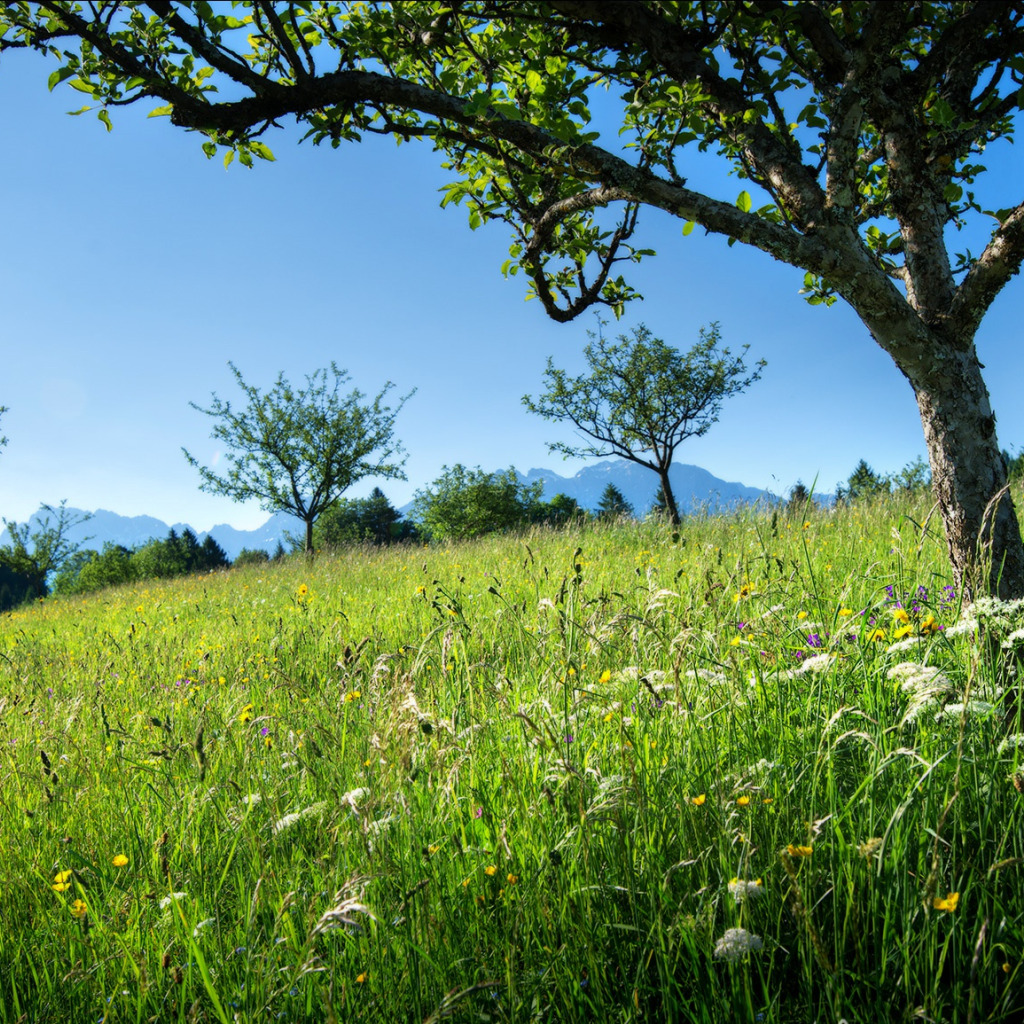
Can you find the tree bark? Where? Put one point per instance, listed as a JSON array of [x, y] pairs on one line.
[[670, 498], [969, 478]]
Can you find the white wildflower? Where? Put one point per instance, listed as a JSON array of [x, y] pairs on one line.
[[735, 944], [173, 898], [202, 924], [1012, 742], [296, 816], [741, 890], [814, 665], [975, 708]]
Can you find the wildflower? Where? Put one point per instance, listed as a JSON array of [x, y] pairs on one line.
[[421, 590], [61, 881], [735, 944], [303, 590], [605, 676], [697, 801], [741, 891], [490, 870], [120, 860], [734, 642], [928, 625], [877, 634], [870, 846], [948, 904], [900, 615], [799, 851], [768, 800], [745, 591], [903, 631], [813, 640], [801, 616], [512, 879], [246, 715], [79, 908], [361, 978], [742, 801], [173, 898], [844, 612], [352, 695], [609, 716]]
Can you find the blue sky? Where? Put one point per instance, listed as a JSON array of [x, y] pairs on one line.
[[134, 269]]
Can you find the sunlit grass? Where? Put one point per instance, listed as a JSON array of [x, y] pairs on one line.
[[545, 777]]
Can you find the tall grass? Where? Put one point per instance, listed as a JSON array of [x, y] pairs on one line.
[[758, 768]]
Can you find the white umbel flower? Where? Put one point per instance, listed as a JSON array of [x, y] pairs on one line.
[[741, 890], [735, 944]]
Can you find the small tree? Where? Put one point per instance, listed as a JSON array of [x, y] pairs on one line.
[[799, 498], [863, 482], [39, 554], [299, 450], [642, 398], [463, 503], [613, 504]]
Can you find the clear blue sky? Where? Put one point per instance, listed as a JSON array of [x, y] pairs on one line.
[[133, 269]]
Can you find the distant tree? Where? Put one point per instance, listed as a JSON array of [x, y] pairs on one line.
[[250, 556], [212, 556], [353, 521], [560, 510], [299, 450], [41, 553], [15, 588], [641, 398], [863, 482], [916, 475], [112, 567], [799, 498], [463, 503], [613, 504]]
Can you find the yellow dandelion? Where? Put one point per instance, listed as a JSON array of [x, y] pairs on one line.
[[734, 642], [120, 860], [948, 904], [605, 676], [900, 615], [698, 801], [799, 851], [801, 616], [246, 715], [903, 631], [928, 625], [877, 634], [303, 590]]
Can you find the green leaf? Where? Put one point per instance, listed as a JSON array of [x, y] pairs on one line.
[[209, 148], [228, 157], [77, 83], [161, 111], [534, 81], [59, 76], [105, 118], [743, 202], [688, 227]]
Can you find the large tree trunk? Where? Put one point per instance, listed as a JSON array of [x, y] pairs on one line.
[[969, 477]]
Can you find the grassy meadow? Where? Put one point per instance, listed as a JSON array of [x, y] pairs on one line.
[[764, 768]]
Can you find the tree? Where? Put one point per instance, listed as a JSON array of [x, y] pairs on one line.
[[372, 519], [299, 450], [863, 482], [613, 504], [799, 498], [861, 128], [463, 503], [642, 398], [38, 554]]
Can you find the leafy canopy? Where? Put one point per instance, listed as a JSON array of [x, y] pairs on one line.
[[299, 449]]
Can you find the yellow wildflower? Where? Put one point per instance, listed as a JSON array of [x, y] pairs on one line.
[[605, 676], [799, 851], [900, 615], [742, 801], [929, 625], [61, 881], [120, 860], [79, 908], [490, 870], [361, 978], [947, 904], [698, 800]]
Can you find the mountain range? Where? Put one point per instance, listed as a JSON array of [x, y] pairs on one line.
[[695, 489]]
